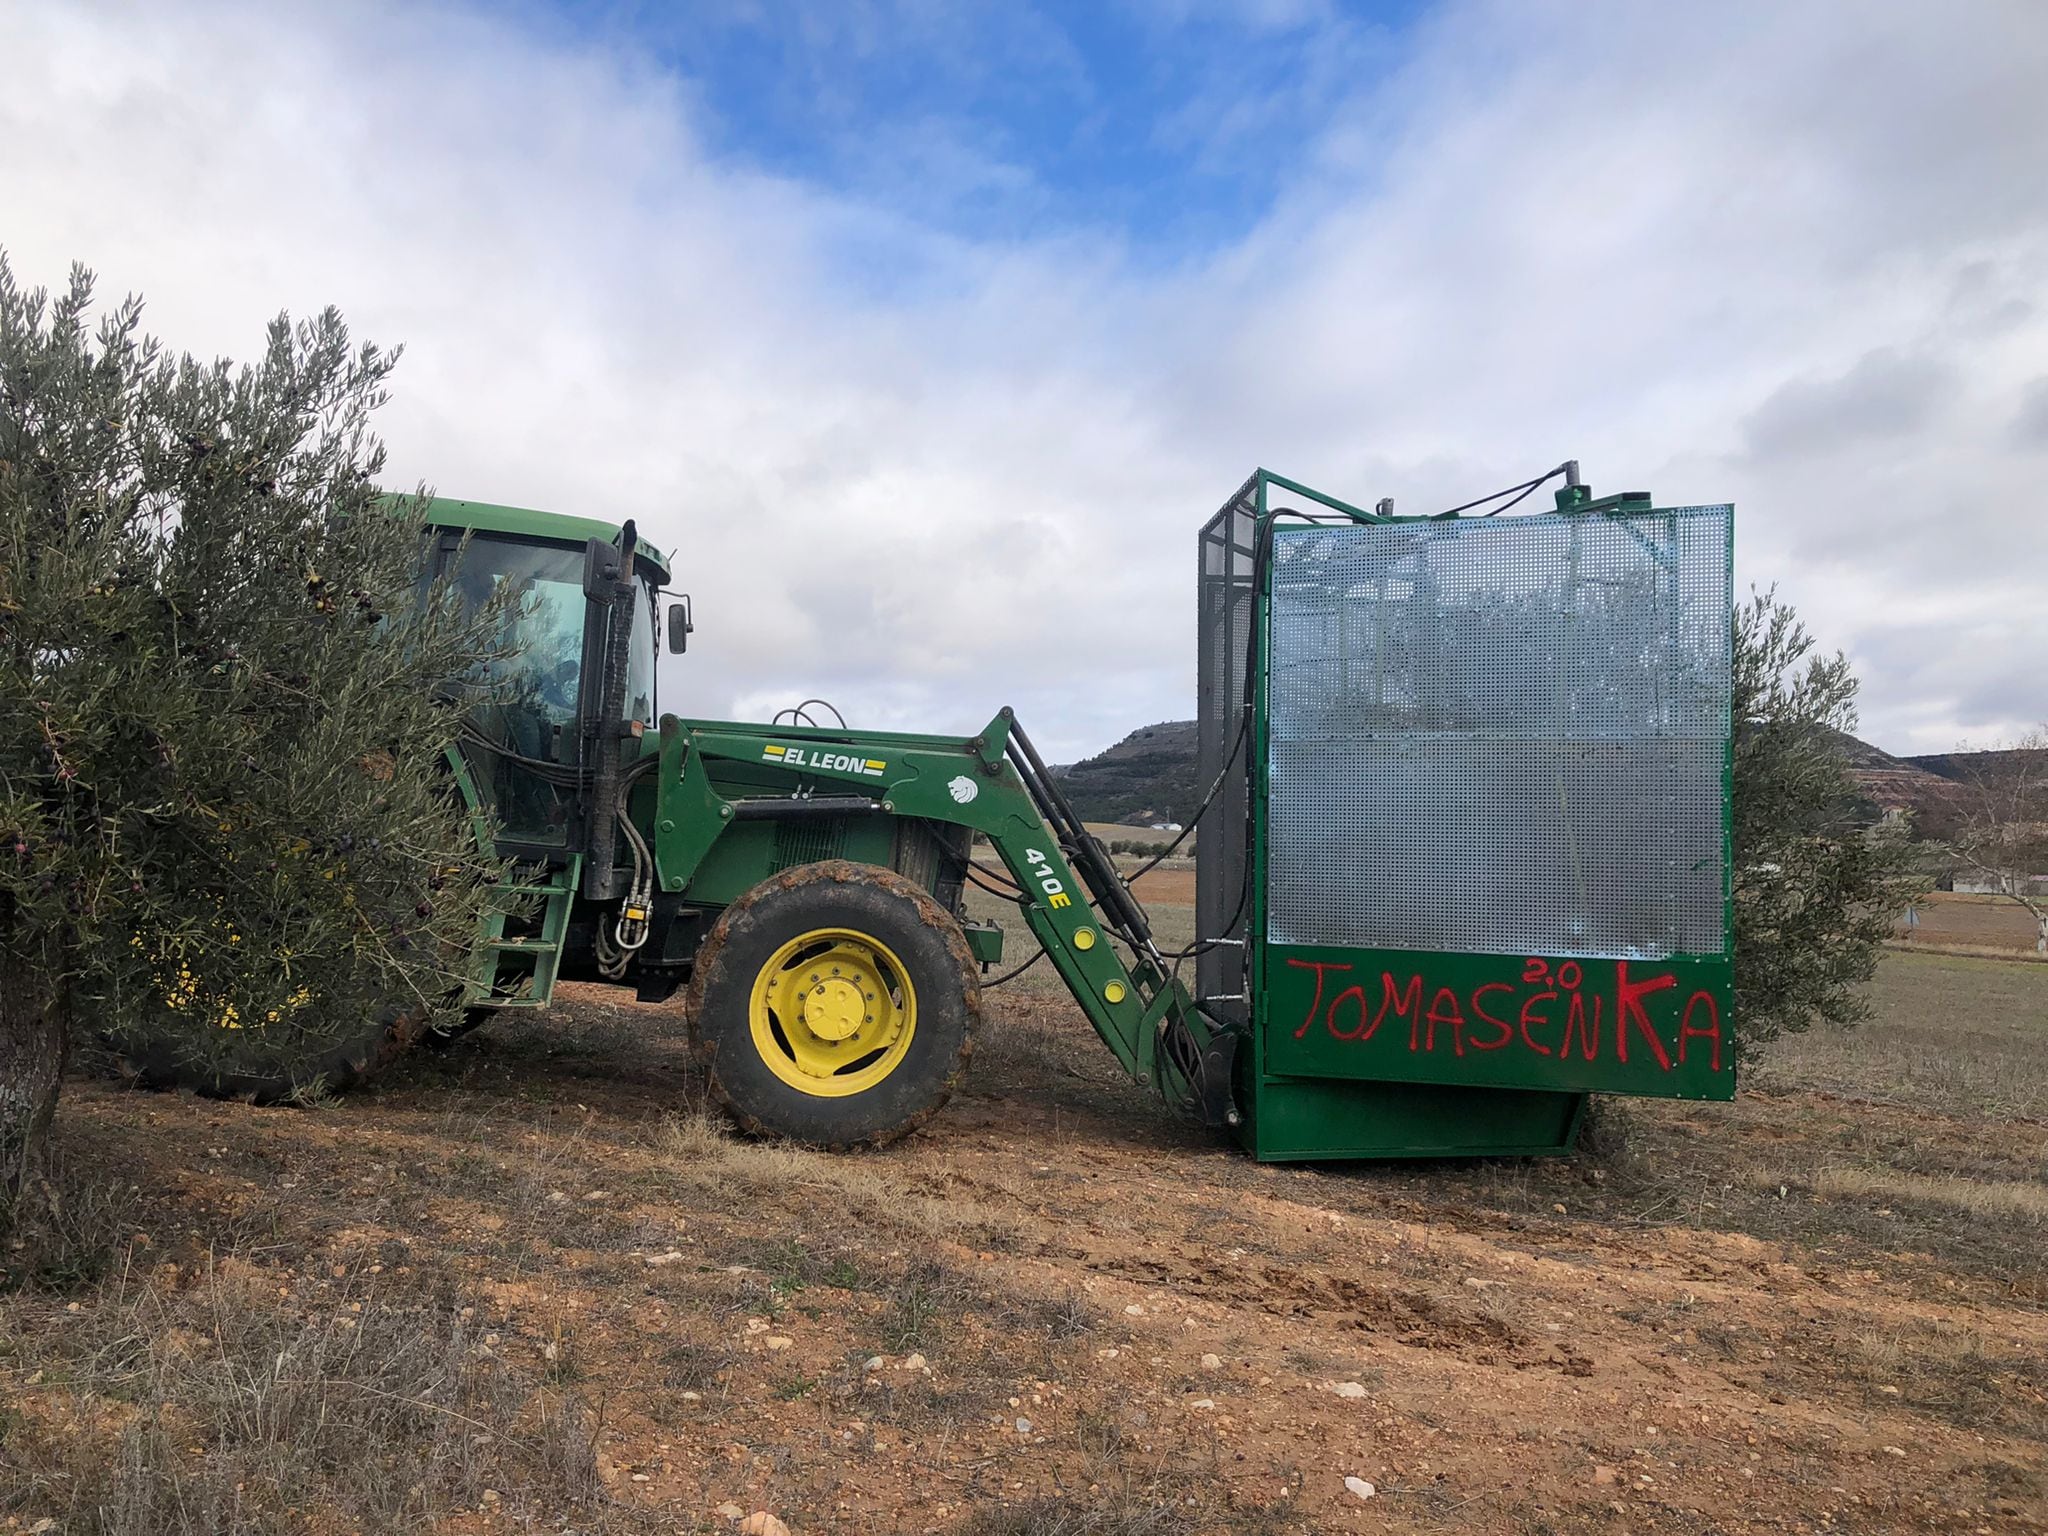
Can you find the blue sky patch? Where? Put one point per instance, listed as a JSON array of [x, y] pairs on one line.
[[1170, 127]]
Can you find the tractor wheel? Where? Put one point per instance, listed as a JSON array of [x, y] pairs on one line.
[[279, 1075], [834, 1004]]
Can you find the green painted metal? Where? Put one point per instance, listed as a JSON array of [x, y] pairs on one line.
[[691, 807], [1345, 1060], [513, 971], [1613, 1026], [527, 523], [984, 941], [520, 970], [706, 852], [1267, 478], [1305, 1119], [1353, 1053]]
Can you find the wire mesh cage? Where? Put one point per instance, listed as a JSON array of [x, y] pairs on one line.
[[1226, 606], [1492, 736]]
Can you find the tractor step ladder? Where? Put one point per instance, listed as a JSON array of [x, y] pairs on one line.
[[518, 970]]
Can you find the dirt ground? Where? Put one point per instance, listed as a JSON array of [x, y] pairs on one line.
[[527, 1285]]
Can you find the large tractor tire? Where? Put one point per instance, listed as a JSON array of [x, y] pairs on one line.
[[280, 1074], [835, 1004]]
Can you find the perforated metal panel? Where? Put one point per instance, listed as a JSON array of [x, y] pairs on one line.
[[1501, 736], [1226, 610]]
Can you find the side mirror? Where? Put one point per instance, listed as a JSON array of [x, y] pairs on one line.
[[679, 626]]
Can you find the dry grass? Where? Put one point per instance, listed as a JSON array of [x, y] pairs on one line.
[[1993, 1200], [221, 1409], [540, 1169], [1925, 1129], [729, 1172], [1954, 1372], [1948, 1033]]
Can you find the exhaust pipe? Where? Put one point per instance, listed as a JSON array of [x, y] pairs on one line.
[[608, 579]]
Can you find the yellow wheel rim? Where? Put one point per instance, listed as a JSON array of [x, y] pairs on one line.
[[832, 1012]]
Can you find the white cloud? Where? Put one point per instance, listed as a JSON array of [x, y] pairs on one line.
[[1792, 256]]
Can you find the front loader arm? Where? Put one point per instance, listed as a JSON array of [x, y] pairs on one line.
[[992, 784]]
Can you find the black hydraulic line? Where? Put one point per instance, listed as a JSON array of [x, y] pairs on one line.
[[563, 775], [1013, 974], [981, 882], [769, 808], [1090, 859], [1236, 745], [828, 704]]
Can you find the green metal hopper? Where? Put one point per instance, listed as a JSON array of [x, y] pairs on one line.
[[1470, 860]]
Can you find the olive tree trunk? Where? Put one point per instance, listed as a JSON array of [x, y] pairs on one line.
[[34, 1042]]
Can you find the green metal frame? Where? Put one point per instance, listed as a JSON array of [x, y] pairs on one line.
[[1320, 1074], [514, 970], [709, 768], [1371, 1075], [529, 523]]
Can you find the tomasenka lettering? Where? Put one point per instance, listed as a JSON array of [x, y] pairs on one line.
[[1548, 1013]]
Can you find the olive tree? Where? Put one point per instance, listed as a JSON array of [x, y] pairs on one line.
[[226, 832], [1816, 887]]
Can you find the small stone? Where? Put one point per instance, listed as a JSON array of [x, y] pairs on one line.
[[490, 1496], [1203, 1402], [1212, 1362], [913, 1362], [1889, 1391], [1348, 1389], [1360, 1487], [761, 1523], [1893, 1450], [598, 1194], [1023, 1426], [656, 1260], [698, 1397], [642, 1477], [729, 1511], [875, 1363], [1134, 1310], [778, 1341], [1559, 1208], [1604, 1476]]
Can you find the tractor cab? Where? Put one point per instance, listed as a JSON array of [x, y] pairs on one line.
[[578, 662]]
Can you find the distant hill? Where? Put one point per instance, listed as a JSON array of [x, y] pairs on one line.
[[1148, 776], [1891, 784], [1962, 767]]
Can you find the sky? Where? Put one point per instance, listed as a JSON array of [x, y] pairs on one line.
[[927, 334]]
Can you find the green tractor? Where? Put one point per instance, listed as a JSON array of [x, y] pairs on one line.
[[805, 883], [1464, 848]]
